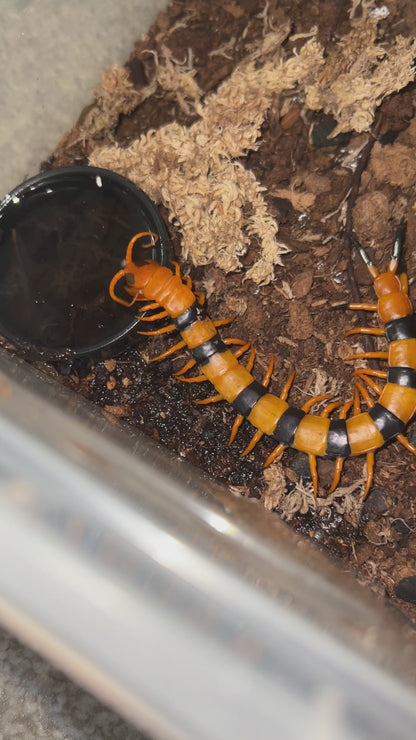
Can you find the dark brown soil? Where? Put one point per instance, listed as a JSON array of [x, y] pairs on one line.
[[303, 332]]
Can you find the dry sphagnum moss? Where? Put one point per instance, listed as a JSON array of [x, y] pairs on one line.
[[196, 171], [301, 499], [359, 74]]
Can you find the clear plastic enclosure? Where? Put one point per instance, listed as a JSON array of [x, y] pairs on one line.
[[190, 611]]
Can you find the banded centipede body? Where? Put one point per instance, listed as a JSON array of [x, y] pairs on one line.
[[354, 431]]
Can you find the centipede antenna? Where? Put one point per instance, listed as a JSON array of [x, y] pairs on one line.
[[339, 306], [372, 269], [397, 245]]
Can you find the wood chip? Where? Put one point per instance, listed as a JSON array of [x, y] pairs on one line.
[[110, 365], [121, 410]]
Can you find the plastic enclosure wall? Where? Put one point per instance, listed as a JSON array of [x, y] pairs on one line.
[[192, 612]]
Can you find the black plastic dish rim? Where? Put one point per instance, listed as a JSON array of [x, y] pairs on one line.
[[47, 179]]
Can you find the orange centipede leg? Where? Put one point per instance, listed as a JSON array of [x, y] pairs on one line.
[[287, 386], [339, 462], [240, 418], [111, 289], [278, 451], [356, 402], [223, 322], [195, 379], [170, 351], [404, 282], [362, 373], [274, 454], [314, 474], [259, 434], [143, 246], [370, 455], [190, 364], [312, 401], [405, 442], [251, 445], [370, 473], [369, 371], [366, 330], [366, 396], [369, 355], [312, 458], [362, 306], [149, 306], [242, 350], [201, 297], [211, 399], [155, 317], [330, 408], [156, 332]]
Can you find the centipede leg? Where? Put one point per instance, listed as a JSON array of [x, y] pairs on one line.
[[362, 306], [170, 351], [314, 474], [149, 306], [369, 355], [312, 458], [190, 364], [258, 435], [154, 317], [405, 442], [366, 377], [316, 399], [195, 379], [278, 451], [366, 396], [370, 455], [339, 462], [156, 332], [370, 473], [366, 330], [369, 371], [274, 454], [223, 322], [211, 399], [404, 282], [201, 297], [240, 418]]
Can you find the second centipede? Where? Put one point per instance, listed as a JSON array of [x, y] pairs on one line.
[[353, 431]]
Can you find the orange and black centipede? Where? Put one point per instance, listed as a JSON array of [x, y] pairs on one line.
[[353, 431]]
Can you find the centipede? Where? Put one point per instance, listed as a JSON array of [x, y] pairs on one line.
[[383, 402]]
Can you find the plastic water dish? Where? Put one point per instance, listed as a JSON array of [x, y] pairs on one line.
[[63, 235]]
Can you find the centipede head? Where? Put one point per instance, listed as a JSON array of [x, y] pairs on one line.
[[137, 272]]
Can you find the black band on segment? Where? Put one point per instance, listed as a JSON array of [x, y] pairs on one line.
[[204, 352], [287, 425], [404, 376], [404, 328], [387, 423], [248, 397], [188, 317], [337, 444]]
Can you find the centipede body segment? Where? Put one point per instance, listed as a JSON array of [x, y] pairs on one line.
[[353, 431]]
